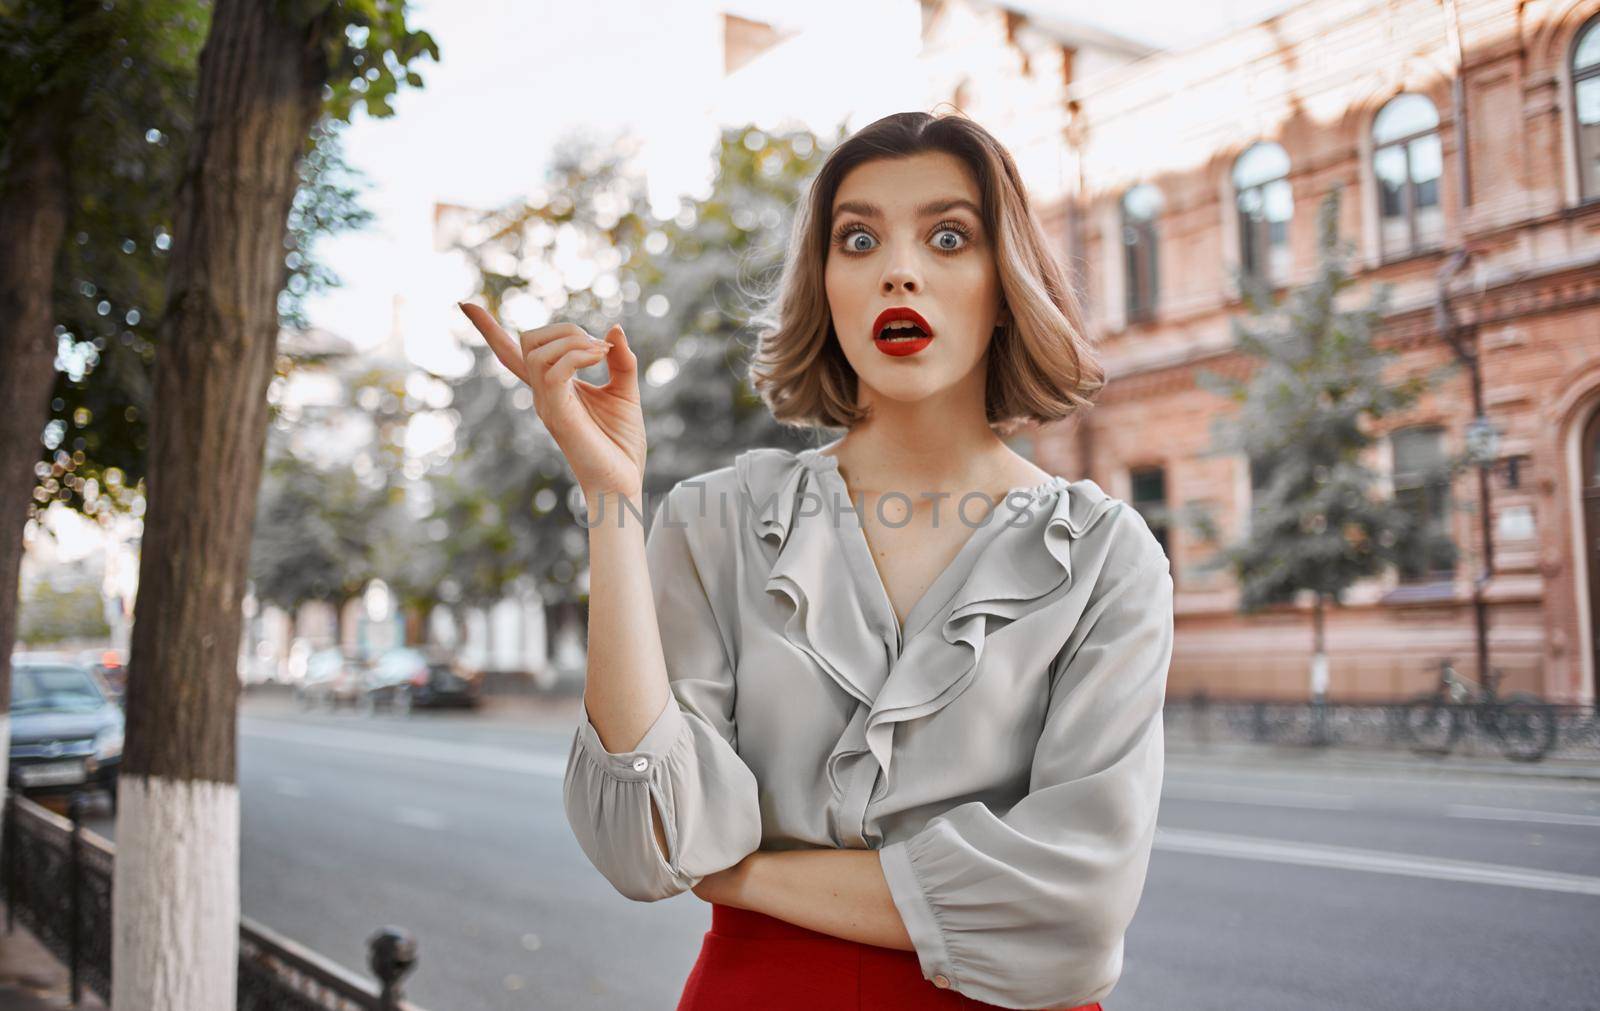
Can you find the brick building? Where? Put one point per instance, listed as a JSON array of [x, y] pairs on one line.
[[1471, 125], [1464, 136]]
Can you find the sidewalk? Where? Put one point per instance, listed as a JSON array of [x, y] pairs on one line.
[[1246, 755], [559, 709], [31, 979]]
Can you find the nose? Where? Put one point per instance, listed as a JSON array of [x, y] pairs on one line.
[[901, 275]]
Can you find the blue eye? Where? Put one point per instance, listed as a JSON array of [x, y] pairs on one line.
[[845, 238], [850, 240]]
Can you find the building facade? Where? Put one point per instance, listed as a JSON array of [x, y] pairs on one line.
[[1464, 137]]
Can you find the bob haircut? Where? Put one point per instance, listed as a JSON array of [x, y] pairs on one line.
[[1041, 366]]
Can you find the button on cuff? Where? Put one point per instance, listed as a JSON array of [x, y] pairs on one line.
[[639, 762]]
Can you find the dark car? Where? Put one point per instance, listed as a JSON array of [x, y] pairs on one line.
[[406, 677], [66, 730], [110, 664]]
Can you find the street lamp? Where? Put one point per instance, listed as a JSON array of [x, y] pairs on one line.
[[1483, 441]]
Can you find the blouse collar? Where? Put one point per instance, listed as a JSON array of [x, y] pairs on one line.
[[848, 637]]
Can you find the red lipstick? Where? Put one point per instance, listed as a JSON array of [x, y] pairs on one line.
[[891, 342]]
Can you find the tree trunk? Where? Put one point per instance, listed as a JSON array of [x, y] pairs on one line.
[[416, 624], [33, 218], [176, 890], [339, 604]]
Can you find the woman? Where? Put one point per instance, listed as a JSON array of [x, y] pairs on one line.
[[891, 705]]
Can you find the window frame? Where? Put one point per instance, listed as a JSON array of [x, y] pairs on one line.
[[1257, 262], [1434, 488], [1408, 192], [1574, 78], [1140, 301]]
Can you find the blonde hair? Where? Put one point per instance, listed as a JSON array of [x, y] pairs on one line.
[[1041, 365]]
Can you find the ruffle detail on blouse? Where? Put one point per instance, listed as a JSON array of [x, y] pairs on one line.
[[1004, 584], [827, 623], [831, 624]]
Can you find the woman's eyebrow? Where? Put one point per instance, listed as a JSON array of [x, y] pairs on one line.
[[866, 210]]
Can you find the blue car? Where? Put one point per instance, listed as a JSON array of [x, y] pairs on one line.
[[66, 730]]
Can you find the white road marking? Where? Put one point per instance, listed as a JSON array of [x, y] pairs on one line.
[[1256, 795], [289, 787], [1372, 861], [1516, 814], [420, 817]]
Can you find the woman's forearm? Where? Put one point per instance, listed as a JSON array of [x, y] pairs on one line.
[[839, 892], [626, 685]]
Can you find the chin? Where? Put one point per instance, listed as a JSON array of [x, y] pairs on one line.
[[906, 389]]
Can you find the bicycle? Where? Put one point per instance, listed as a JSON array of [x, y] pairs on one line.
[[1521, 722]]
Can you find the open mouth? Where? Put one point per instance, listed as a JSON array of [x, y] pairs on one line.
[[900, 323], [902, 332]]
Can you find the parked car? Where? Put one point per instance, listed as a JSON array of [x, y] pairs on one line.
[[66, 729], [407, 677], [334, 678], [110, 664]]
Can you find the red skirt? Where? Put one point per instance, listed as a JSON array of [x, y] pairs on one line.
[[752, 960]]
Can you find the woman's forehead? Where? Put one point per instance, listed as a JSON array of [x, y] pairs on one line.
[[898, 186]]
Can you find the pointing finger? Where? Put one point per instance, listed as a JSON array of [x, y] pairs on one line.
[[499, 341]]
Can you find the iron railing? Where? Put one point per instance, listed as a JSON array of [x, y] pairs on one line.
[[1431, 727], [57, 880]]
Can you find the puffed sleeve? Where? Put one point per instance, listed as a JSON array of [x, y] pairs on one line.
[[1028, 909], [687, 760]]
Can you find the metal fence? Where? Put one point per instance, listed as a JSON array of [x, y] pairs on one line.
[[57, 881], [1513, 729]]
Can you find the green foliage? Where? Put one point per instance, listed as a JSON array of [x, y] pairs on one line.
[[136, 64], [370, 48], [681, 289], [1305, 417], [57, 614], [312, 536], [327, 203], [325, 528], [110, 294]]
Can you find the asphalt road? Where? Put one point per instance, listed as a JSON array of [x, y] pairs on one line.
[[1274, 885]]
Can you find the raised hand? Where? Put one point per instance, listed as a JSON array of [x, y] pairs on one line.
[[600, 429]]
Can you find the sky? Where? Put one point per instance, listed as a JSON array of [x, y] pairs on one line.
[[514, 77]]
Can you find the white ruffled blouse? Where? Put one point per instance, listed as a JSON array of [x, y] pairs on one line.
[[1002, 751]]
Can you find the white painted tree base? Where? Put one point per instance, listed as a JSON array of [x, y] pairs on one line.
[[175, 896]]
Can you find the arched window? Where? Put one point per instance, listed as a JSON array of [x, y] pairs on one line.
[[1141, 205], [1407, 161], [1422, 488], [1261, 188], [1586, 108]]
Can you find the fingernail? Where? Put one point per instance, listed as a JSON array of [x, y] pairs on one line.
[[597, 340]]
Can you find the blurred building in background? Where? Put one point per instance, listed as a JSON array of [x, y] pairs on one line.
[[1469, 126], [332, 414], [1465, 135]]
